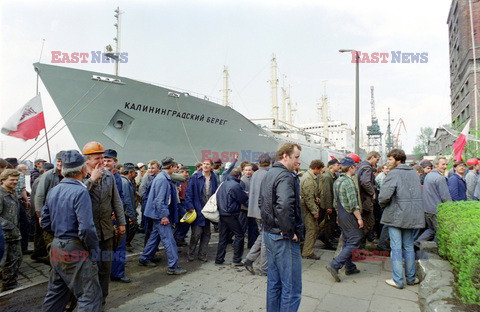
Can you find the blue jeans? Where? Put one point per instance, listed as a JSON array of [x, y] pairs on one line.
[[401, 243], [284, 279]]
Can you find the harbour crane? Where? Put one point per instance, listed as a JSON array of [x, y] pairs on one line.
[[397, 129], [374, 134]]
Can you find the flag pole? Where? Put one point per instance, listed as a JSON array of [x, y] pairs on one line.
[[474, 71], [46, 137]]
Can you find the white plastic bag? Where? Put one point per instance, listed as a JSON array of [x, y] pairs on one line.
[[210, 210]]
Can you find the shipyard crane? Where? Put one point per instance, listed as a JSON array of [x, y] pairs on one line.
[[374, 134], [397, 129], [389, 139]]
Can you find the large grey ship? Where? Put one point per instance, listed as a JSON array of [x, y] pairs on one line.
[[143, 121]]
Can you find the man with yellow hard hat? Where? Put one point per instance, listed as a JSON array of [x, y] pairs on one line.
[[105, 200]]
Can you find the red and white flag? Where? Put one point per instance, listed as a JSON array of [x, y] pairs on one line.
[[459, 145], [27, 122]]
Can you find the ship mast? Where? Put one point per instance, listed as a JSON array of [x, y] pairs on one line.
[[117, 39], [294, 112], [284, 99], [274, 83], [226, 91], [322, 109], [289, 107]]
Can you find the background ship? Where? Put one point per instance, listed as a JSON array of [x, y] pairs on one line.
[[143, 121]]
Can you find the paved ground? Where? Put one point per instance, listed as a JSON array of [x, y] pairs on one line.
[[207, 287], [213, 288]]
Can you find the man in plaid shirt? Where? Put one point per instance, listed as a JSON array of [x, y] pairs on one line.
[[349, 220]]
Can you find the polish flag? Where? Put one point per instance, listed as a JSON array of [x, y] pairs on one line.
[[27, 122], [459, 145]]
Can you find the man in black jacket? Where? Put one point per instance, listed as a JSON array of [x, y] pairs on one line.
[[283, 229], [366, 179], [230, 197]]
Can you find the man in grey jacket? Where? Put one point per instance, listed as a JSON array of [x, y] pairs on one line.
[[401, 198], [48, 180], [472, 175], [435, 192], [258, 248], [105, 202]]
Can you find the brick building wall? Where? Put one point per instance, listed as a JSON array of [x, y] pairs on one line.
[[461, 61]]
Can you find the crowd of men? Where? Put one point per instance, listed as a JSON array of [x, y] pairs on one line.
[[82, 216]]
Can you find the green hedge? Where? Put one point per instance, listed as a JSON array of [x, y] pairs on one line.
[[459, 240]]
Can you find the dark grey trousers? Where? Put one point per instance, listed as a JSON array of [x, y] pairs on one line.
[[430, 232], [77, 275], [200, 234], [105, 266]]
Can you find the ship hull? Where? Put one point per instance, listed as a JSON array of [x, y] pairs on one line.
[[144, 121]]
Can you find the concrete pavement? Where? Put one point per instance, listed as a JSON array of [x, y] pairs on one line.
[[213, 288], [224, 288]]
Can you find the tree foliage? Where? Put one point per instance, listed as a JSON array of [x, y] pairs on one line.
[[421, 149]]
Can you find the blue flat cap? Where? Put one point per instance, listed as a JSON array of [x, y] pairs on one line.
[[129, 166], [59, 155], [110, 153], [333, 161], [12, 161], [348, 161], [72, 159], [167, 161], [47, 166]]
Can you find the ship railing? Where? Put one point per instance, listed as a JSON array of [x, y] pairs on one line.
[[292, 129], [187, 92]]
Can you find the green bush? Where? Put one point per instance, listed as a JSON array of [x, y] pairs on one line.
[[459, 240]]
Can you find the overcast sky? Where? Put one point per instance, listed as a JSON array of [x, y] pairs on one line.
[[186, 44]]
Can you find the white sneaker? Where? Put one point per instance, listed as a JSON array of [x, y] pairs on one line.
[[417, 281], [392, 283]]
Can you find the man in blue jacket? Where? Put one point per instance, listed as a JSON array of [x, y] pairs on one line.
[[435, 192], [456, 183], [119, 260], [161, 208], [67, 214], [200, 187], [230, 197], [129, 188]]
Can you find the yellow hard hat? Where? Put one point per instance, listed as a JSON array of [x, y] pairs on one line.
[[189, 217]]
